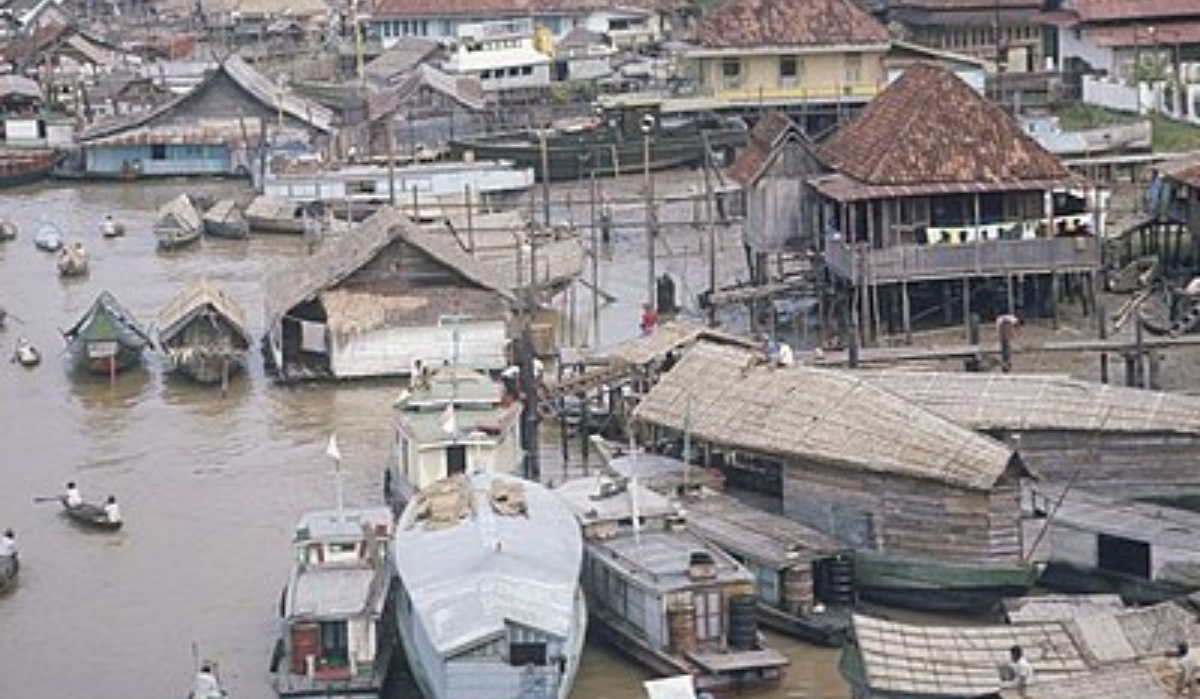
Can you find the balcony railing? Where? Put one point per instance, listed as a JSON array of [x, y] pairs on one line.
[[859, 264]]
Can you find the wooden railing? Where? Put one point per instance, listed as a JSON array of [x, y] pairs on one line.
[[859, 264]]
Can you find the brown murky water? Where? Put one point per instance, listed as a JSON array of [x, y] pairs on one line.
[[210, 486]]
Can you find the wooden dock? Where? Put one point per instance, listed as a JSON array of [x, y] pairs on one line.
[[895, 355]]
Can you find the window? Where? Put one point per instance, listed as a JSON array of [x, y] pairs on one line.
[[789, 71], [158, 151], [456, 459], [708, 614], [853, 68], [731, 72], [521, 654], [335, 643]]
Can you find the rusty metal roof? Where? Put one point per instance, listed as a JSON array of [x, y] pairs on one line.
[[1133, 10]]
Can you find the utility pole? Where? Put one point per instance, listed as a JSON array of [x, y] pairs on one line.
[[712, 233], [648, 122], [545, 152]]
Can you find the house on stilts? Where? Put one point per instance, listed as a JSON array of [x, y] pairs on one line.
[[375, 301], [939, 207]]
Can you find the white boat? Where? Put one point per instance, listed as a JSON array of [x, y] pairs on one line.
[[335, 611], [489, 603], [448, 421], [8, 230], [111, 229], [49, 237], [664, 595], [26, 354]]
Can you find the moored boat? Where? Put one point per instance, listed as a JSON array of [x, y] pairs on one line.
[[203, 334], [111, 229], [8, 230], [49, 237], [663, 594], [276, 215], [179, 224], [10, 561], [91, 516], [26, 354], [609, 145], [337, 639], [451, 420], [19, 167], [224, 219], [73, 260], [938, 585], [107, 339], [489, 599]]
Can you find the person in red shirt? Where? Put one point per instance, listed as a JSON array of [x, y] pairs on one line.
[[649, 319]]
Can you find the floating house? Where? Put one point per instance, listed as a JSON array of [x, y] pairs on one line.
[[373, 301], [217, 129], [947, 203], [931, 508]]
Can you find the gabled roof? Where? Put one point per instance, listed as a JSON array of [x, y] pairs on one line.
[[26, 48], [341, 256], [930, 127], [401, 57], [1133, 10], [466, 90], [779, 23], [773, 130], [724, 396], [19, 86], [258, 86], [193, 298]]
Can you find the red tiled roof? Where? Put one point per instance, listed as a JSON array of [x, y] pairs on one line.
[[930, 127], [944, 5], [507, 8], [764, 138], [1134, 10], [1134, 35], [756, 23]]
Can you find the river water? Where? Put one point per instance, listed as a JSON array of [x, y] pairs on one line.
[[210, 484]]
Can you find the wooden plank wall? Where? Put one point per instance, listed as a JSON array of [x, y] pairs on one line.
[[1134, 465], [903, 515]]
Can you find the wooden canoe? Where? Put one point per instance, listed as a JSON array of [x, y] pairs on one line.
[[90, 515]]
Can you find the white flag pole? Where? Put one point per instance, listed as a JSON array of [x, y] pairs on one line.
[[334, 453]]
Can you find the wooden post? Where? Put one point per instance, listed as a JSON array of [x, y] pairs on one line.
[[1008, 290], [1053, 299], [906, 312], [966, 302], [1102, 325]]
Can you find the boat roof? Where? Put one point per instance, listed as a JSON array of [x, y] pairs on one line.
[[479, 416], [603, 499], [459, 385], [341, 525], [188, 303], [660, 559], [470, 576], [107, 319], [335, 592]]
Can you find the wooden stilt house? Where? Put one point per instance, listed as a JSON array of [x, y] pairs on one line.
[[939, 206], [932, 509]]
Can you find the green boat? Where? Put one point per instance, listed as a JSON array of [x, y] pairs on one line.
[[612, 144], [939, 586], [106, 339]]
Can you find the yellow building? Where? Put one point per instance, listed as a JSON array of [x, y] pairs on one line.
[[788, 52]]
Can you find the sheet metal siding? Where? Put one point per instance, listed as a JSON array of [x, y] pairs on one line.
[[602, 594], [1134, 465], [901, 515], [391, 351]]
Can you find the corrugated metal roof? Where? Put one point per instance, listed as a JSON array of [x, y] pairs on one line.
[[726, 396], [845, 188], [468, 580], [1033, 402], [330, 593]]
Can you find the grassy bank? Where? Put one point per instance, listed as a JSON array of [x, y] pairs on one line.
[[1169, 136]]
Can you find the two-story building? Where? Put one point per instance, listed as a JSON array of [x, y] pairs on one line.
[[751, 54], [938, 202], [502, 55], [1005, 33]]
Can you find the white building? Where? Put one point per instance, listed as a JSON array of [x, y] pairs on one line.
[[502, 55]]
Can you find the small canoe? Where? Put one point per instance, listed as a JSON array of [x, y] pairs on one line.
[[90, 515], [49, 238], [179, 224], [10, 566], [73, 260], [224, 219], [111, 229], [8, 230], [26, 354]]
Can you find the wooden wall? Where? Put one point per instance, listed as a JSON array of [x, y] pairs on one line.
[[902, 515]]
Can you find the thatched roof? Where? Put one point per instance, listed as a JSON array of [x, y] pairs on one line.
[[724, 396], [192, 299], [902, 659], [1028, 402], [668, 337], [341, 256], [181, 213]]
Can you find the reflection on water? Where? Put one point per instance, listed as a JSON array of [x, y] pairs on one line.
[[210, 484]]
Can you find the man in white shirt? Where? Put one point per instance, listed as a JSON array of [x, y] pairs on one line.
[[111, 510], [8, 543], [206, 685], [1186, 665], [73, 497], [1018, 672]]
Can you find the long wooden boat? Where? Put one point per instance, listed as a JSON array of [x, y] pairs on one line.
[[10, 569], [663, 594], [609, 146], [224, 219], [203, 333], [337, 636], [940, 586], [488, 568], [90, 516], [178, 224], [107, 339], [20, 167], [268, 214]]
